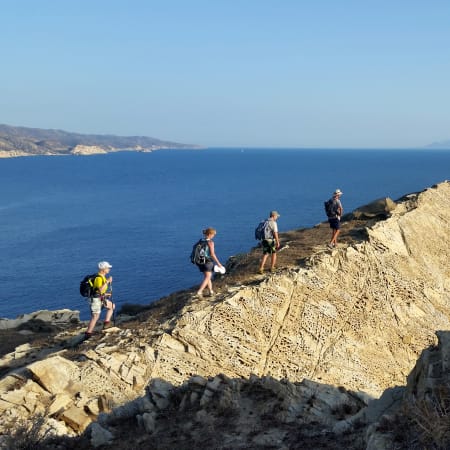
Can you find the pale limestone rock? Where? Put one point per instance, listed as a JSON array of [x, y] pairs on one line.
[[330, 322], [93, 406], [12, 153], [356, 318], [55, 374], [381, 207], [59, 403], [160, 391], [57, 428], [57, 317], [76, 419], [87, 150], [10, 381]]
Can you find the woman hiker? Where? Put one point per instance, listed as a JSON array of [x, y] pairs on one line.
[[211, 258]]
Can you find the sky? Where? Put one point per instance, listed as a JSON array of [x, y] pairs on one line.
[[240, 73]]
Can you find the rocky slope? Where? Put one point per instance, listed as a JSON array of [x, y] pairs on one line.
[[338, 328], [22, 141]]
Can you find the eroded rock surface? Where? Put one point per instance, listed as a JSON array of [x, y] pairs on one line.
[[356, 317]]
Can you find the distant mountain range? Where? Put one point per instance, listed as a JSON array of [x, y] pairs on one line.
[[22, 141], [441, 144]]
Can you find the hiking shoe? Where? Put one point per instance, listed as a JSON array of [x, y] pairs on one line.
[[331, 245], [261, 271], [272, 269], [107, 325], [199, 294], [87, 335]]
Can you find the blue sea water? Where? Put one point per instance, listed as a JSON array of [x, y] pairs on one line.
[[142, 212]]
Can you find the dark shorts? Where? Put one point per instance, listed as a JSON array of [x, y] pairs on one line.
[[208, 267], [335, 223], [269, 246]]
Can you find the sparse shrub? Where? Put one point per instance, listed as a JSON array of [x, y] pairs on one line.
[[432, 417], [26, 435], [344, 410]]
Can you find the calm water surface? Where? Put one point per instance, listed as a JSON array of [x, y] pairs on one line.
[[142, 212]]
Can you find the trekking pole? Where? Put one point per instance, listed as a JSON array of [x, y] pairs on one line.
[[112, 304]]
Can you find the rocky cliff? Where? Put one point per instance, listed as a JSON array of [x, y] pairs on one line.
[[338, 330]]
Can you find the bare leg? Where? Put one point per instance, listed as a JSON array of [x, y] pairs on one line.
[[334, 237], [206, 282], [273, 261], [110, 306], [263, 261], [92, 322]]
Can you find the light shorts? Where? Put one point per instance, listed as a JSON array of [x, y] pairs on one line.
[[96, 304]]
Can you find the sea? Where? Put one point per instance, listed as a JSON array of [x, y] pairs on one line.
[[142, 212]]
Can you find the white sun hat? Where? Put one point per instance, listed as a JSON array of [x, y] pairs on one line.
[[218, 269]]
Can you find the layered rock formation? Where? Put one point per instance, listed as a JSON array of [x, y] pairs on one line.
[[355, 318]]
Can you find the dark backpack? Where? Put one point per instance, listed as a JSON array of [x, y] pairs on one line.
[[199, 252], [263, 231], [87, 285], [330, 208]]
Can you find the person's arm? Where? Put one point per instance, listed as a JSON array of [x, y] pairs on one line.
[[275, 233], [340, 210], [213, 254], [277, 239]]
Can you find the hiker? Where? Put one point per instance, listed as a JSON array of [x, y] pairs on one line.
[[208, 267], [334, 219], [99, 298], [271, 242]]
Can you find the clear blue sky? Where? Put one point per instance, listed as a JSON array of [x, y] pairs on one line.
[[322, 73]]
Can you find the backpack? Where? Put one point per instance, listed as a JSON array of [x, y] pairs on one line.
[[87, 285], [263, 231], [330, 208], [199, 252]]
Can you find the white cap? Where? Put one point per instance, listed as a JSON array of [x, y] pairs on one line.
[[338, 192], [104, 265]]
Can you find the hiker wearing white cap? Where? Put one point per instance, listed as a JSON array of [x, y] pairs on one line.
[[271, 242], [334, 218], [99, 298]]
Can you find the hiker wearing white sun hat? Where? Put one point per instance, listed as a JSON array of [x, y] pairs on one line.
[[335, 218]]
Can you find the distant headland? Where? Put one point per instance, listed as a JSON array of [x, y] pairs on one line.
[[22, 141]]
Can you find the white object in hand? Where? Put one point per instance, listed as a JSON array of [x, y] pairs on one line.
[[221, 270]]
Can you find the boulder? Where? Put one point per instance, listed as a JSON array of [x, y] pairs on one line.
[[42, 319], [55, 374], [100, 436], [76, 419], [379, 208]]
